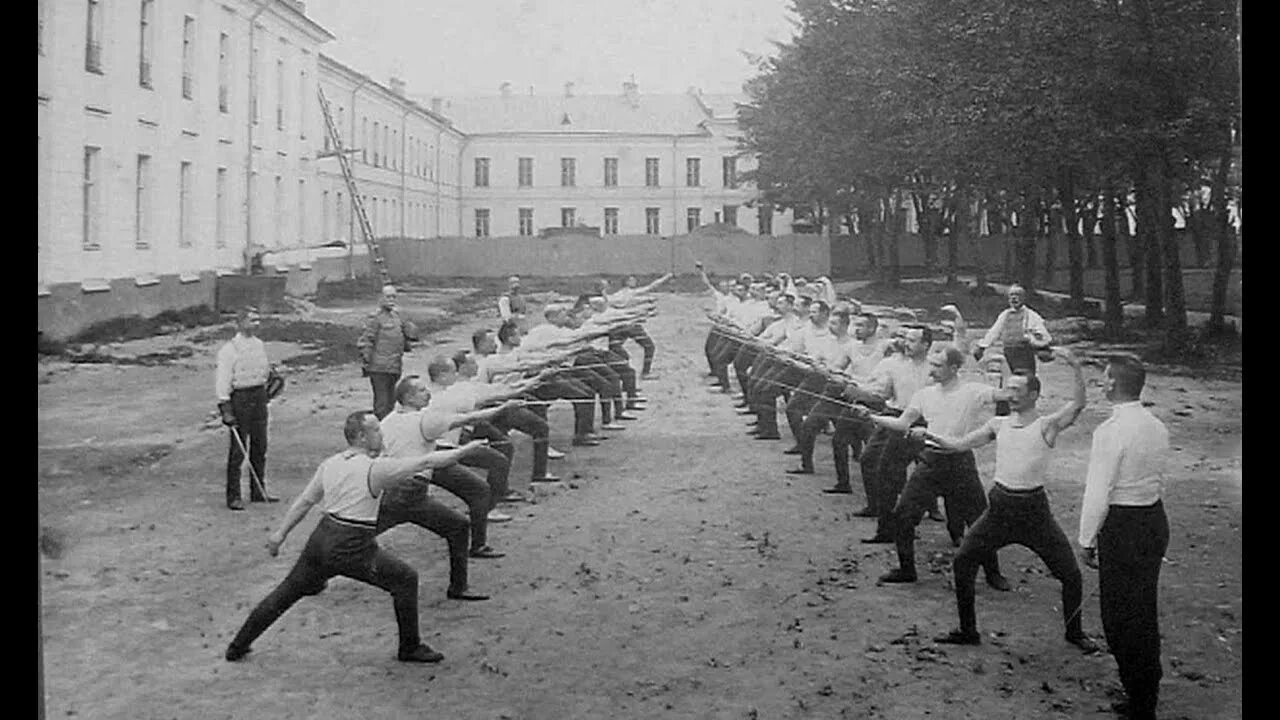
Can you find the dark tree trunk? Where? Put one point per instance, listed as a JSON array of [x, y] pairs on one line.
[[1220, 215], [1114, 313], [896, 220], [979, 262], [1052, 233], [1149, 239], [1075, 251], [868, 232], [1028, 229], [959, 230], [1089, 230], [1175, 306]]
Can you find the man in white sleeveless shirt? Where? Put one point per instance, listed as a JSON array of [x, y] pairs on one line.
[[1019, 512], [347, 487]]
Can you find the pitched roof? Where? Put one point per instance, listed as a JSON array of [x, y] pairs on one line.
[[723, 106], [654, 114]]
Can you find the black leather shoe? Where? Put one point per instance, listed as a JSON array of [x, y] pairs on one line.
[[585, 442], [487, 553], [866, 512], [898, 575], [999, 582], [959, 637], [236, 504], [234, 653], [1085, 643], [768, 436], [464, 595], [420, 654], [878, 540], [837, 490], [265, 498], [800, 471], [545, 478]]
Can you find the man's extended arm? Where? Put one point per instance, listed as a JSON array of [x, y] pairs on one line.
[[1067, 414], [973, 440]]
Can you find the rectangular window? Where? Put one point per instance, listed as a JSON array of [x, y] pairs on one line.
[[376, 145], [652, 218], [482, 172], [146, 19], [651, 172], [482, 223], [611, 172], [224, 73], [525, 171], [568, 172], [694, 216], [279, 95], [253, 89], [364, 140], [324, 216], [220, 209], [142, 203], [93, 38], [394, 154], [693, 172], [386, 146], [302, 212], [279, 203], [730, 172], [526, 222], [188, 56], [184, 204], [764, 219], [341, 228], [611, 221], [731, 215], [89, 199], [567, 217], [302, 104]]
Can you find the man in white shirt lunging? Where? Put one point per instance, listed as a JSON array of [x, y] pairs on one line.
[[1019, 512], [1124, 531]]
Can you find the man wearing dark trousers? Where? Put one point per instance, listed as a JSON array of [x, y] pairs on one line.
[[951, 408], [1124, 532], [525, 419], [347, 487], [382, 344], [1019, 512], [241, 389], [553, 384], [866, 352]]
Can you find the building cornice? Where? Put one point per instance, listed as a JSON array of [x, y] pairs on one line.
[[355, 77]]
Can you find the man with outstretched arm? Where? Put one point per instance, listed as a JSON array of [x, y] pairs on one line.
[[347, 487], [1018, 510]]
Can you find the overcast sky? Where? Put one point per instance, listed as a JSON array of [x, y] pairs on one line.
[[469, 47]]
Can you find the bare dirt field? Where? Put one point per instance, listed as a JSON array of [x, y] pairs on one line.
[[676, 573]]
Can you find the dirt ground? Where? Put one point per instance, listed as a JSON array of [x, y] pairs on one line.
[[677, 573]]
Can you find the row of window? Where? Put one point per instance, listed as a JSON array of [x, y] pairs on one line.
[[652, 167], [385, 149], [569, 218], [95, 28]]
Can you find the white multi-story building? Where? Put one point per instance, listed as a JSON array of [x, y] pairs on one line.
[[627, 164], [183, 141], [172, 136], [405, 161]]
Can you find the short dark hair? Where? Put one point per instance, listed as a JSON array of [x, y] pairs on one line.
[[843, 316], [478, 337], [405, 387], [460, 358], [438, 366], [822, 306], [1129, 373], [787, 296], [353, 428], [803, 300], [1033, 382], [926, 332], [871, 318], [953, 356], [507, 329]]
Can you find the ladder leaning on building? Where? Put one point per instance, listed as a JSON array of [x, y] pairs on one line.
[[375, 253]]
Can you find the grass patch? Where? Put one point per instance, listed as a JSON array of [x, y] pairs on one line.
[[136, 327]]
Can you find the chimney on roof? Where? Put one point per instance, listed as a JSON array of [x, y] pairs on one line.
[[437, 104], [632, 92], [505, 89], [695, 91], [397, 85], [568, 89]]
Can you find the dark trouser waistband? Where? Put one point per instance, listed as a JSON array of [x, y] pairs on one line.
[[251, 389], [362, 524], [1018, 491]]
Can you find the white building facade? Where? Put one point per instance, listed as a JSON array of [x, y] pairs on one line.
[[627, 164], [171, 136]]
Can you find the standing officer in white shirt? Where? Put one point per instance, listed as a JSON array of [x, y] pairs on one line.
[[1020, 331], [512, 306], [1124, 531], [241, 388], [347, 486], [1019, 512]]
